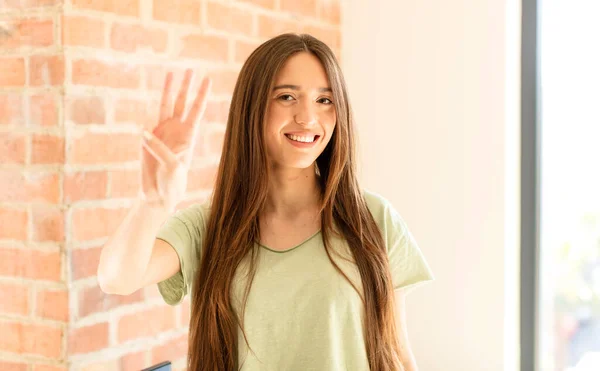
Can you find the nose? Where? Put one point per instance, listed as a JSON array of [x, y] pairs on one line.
[[305, 112]]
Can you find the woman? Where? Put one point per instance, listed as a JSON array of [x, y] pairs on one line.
[[290, 265]]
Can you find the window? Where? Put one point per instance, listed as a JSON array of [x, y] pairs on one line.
[[561, 192]]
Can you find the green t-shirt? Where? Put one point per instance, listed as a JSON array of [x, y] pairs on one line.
[[301, 313]]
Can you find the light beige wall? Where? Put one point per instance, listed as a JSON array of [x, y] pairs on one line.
[[435, 89]]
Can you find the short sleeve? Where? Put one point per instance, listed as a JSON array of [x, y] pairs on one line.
[[408, 266], [183, 231], [407, 263]]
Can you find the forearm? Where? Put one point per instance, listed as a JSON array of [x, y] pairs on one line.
[[407, 358], [409, 365], [125, 256]]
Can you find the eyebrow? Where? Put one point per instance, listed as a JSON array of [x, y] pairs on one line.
[[296, 87]]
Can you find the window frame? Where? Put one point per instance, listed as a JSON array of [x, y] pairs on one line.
[[530, 187]]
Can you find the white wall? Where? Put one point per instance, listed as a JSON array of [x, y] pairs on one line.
[[435, 88]]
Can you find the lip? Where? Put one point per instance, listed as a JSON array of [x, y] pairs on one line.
[[302, 144], [302, 133]]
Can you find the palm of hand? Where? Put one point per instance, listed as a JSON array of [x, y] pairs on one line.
[[168, 152]]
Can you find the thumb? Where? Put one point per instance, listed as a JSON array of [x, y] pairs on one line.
[[159, 150]]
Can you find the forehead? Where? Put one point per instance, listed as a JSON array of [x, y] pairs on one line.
[[303, 69]]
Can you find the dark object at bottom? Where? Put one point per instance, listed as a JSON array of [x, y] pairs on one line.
[[164, 366]]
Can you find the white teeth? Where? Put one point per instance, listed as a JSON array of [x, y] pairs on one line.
[[301, 139]]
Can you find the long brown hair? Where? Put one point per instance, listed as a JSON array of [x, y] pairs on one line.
[[240, 193]]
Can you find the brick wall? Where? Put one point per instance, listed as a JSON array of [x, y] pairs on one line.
[[78, 81]]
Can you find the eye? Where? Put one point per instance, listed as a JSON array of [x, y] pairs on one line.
[[327, 99], [283, 97]]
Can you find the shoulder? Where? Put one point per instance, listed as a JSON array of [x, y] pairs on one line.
[[385, 214], [376, 203], [194, 215], [380, 207]]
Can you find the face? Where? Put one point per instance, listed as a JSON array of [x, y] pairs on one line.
[[300, 116]]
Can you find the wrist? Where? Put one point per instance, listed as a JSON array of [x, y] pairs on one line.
[[153, 205]]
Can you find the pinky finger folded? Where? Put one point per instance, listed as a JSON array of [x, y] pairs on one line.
[[159, 150]]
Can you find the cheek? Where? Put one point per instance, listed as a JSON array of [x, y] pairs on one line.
[[329, 119], [329, 123], [273, 122]]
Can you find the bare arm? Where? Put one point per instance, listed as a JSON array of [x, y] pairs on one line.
[[133, 257], [406, 356]]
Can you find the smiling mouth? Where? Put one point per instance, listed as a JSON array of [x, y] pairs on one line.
[[302, 139]]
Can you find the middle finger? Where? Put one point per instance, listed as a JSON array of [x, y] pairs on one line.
[[181, 98]]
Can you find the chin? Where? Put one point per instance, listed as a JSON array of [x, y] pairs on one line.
[[297, 164]]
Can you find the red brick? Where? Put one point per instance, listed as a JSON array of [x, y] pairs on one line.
[[23, 4], [21, 338], [307, 8], [85, 185], [214, 48], [83, 31], [29, 32], [20, 186], [121, 7], [53, 304], [201, 148], [14, 299], [140, 112], [216, 112], [329, 11], [11, 109], [172, 350], [215, 142], [102, 148], [267, 4], [86, 110], [151, 292], [11, 366], [125, 183], [189, 202], [330, 36], [88, 339], [111, 364], [43, 110], [48, 224], [38, 265], [185, 312], [84, 262], [128, 38], [12, 72], [203, 178], [98, 73], [155, 76], [223, 81], [14, 223], [12, 148], [269, 26], [177, 11], [134, 361], [242, 50], [93, 223], [226, 18], [146, 323], [49, 368], [46, 70], [47, 149], [94, 300]]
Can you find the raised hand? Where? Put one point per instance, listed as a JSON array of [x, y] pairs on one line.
[[168, 151]]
